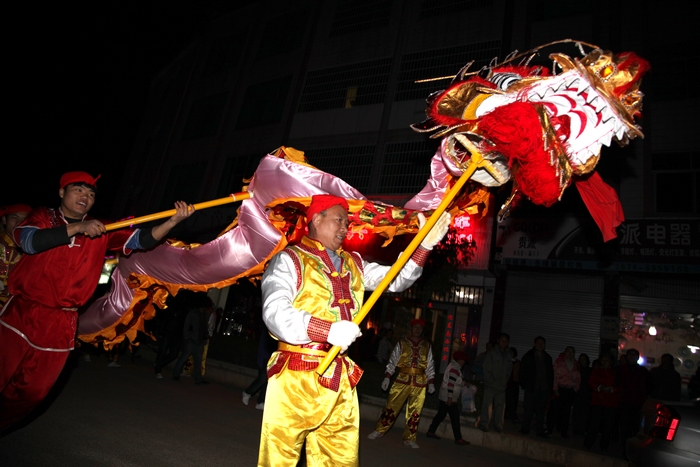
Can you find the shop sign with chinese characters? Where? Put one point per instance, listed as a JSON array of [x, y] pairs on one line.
[[643, 245]]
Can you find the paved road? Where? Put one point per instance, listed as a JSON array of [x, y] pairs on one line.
[[124, 417]]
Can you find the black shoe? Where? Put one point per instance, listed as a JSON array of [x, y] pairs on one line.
[[483, 428], [525, 432], [176, 378], [544, 434], [432, 435], [499, 430], [204, 381]]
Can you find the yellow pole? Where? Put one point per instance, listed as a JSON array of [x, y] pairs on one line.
[[477, 161], [232, 198]]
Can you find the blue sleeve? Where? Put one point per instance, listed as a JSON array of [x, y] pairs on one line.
[[133, 243]]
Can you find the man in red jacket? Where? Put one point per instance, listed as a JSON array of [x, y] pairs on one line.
[[604, 401], [635, 386], [64, 253]]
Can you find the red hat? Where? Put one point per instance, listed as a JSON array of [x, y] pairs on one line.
[[14, 208], [459, 355], [418, 321], [320, 203], [78, 177]]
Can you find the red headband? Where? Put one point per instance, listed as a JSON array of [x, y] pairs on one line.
[[14, 208], [78, 177], [459, 355], [320, 203], [418, 321]]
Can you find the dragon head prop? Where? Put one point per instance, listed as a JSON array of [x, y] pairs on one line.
[[539, 129]]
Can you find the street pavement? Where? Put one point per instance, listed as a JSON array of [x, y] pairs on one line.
[[125, 417]]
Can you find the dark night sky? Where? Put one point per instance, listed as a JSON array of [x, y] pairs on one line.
[[78, 84]]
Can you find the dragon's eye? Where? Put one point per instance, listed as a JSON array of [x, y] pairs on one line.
[[606, 72]]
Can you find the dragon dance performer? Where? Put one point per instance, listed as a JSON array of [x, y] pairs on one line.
[[65, 252], [413, 357], [311, 292], [10, 254]]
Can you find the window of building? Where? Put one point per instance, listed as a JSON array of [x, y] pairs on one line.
[[204, 116], [235, 171], [184, 182], [351, 164], [406, 167], [675, 63], [224, 53], [437, 63], [360, 15], [676, 183], [283, 34], [552, 9], [432, 8], [334, 88], [263, 103]]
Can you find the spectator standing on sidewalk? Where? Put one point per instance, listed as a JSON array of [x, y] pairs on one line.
[[537, 379], [635, 385], [450, 391], [666, 380], [567, 381], [582, 403], [604, 397], [513, 388], [497, 371]]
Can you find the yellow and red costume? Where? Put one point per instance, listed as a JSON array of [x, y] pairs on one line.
[[304, 292], [414, 361]]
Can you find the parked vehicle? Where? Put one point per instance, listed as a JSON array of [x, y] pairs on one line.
[[669, 435]]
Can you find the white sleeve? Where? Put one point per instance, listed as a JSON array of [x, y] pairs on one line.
[[430, 370], [394, 359], [375, 273], [278, 286]]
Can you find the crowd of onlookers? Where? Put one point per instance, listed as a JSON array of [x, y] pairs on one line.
[[599, 400]]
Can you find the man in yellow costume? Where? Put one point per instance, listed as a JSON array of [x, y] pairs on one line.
[[311, 292], [413, 357]]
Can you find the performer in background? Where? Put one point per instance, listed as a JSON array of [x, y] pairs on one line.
[[10, 254], [65, 252], [311, 292], [413, 357]]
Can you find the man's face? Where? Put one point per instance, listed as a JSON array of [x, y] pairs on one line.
[[416, 330], [539, 345], [331, 227], [13, 220], [76, 200], [503, 342]]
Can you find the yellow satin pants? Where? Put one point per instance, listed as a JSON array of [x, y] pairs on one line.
[[298, 409], [398, 395]]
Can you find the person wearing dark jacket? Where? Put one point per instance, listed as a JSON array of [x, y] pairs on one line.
[[537, 379], [666, 380], [635, 385]]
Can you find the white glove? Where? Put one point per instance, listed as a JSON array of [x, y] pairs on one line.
[[343, 333], [385, 384], [431, 388], [437, 232]]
